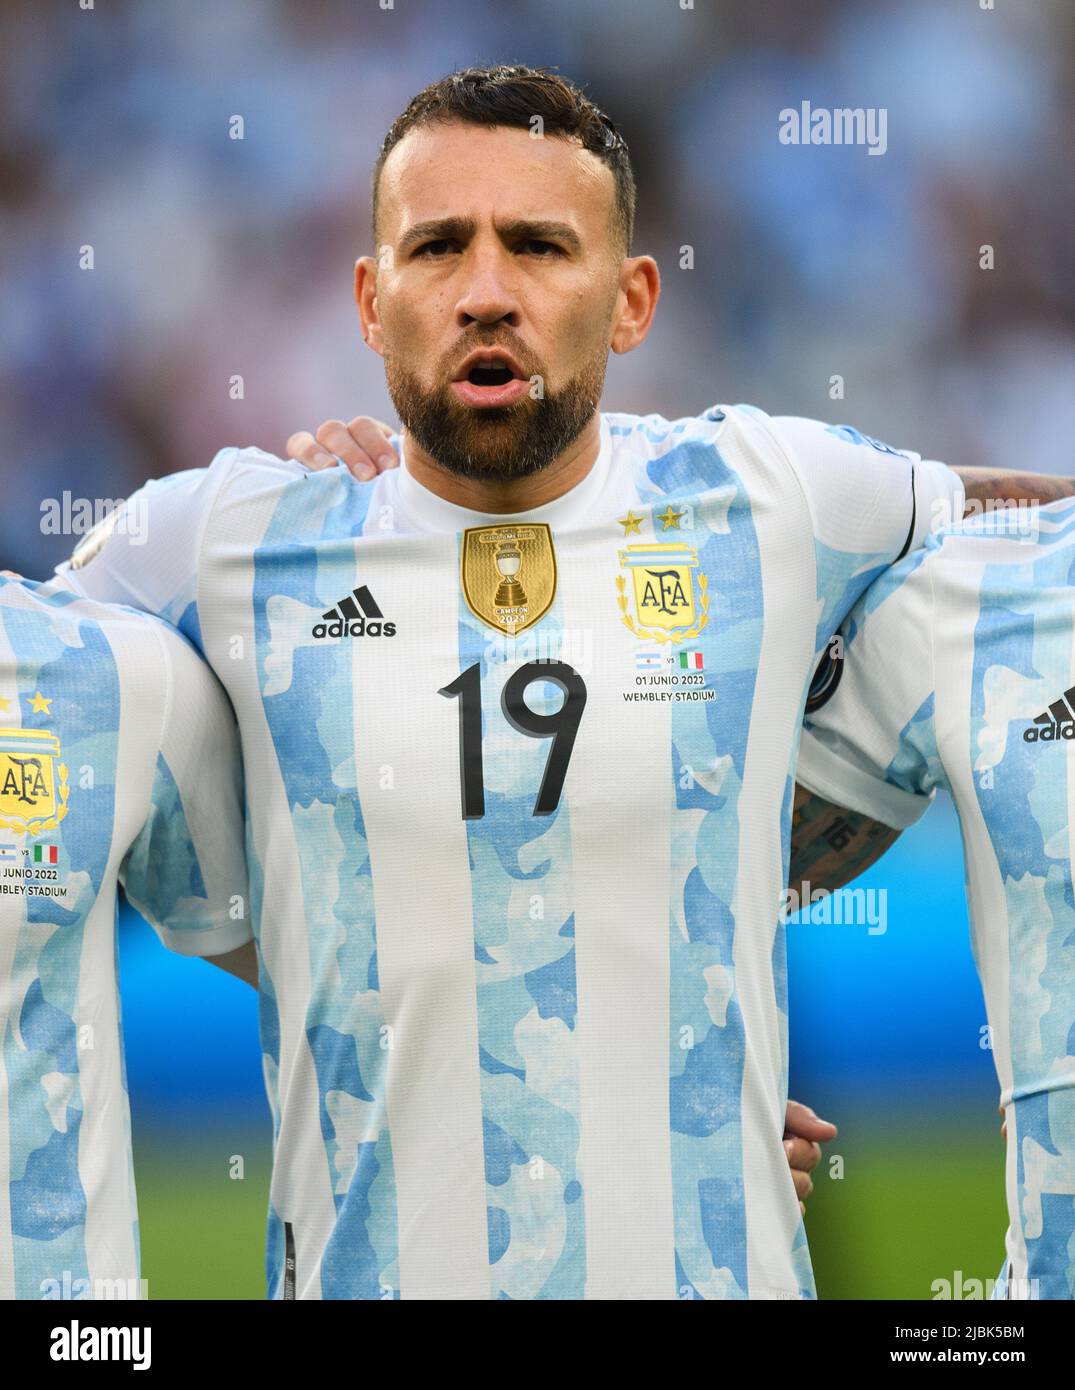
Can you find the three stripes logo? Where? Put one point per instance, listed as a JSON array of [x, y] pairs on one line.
[[357, 615], [1057, 722]]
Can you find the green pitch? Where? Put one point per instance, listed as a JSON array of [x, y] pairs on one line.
[[910, 1209]]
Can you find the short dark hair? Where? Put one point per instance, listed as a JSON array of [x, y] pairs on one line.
[[512, 95]]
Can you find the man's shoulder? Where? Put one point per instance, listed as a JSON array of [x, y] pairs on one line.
[[247, 466], [659, 430], [739, 431], [233, 469], [1014, 533]]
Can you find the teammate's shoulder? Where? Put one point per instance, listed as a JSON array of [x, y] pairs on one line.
[[54, 603]]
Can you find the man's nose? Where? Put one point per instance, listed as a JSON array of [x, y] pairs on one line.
[[488, 295]]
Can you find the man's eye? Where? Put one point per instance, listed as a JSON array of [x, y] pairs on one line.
[[543, 249], [435, 248]]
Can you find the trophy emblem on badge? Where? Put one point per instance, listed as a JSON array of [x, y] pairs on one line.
[[509, 561]]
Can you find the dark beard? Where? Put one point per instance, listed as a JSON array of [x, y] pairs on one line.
[[499, 443]]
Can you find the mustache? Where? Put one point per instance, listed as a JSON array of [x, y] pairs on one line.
[[492, 338]]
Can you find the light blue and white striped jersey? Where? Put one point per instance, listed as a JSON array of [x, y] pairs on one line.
[[519, 791], [119, 763], [958, 672]]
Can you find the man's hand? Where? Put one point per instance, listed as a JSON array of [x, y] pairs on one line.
[[804, 1134], [362, 445]]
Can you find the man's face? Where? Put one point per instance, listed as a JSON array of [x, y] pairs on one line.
[[496, 285]]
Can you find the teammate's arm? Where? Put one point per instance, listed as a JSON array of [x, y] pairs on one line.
[[185, 872], [1000, 487], [868, 758], [831, 845]]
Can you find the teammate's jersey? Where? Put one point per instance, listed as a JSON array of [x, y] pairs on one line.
[[958, 672], [119, 762], [523, 1001]]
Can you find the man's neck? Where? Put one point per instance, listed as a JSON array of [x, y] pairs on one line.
[[502, 497]]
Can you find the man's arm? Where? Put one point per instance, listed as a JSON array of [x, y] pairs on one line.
[[1003, 487], [831, 845]]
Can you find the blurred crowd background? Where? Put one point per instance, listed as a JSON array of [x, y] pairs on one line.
[[216, 258]]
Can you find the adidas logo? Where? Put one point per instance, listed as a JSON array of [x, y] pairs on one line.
[[1057, 722], [357, 615]]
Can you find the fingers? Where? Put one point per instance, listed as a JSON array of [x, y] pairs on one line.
[[802, 1131], [304, 447], [801, 1122], [10, 574], [371, 437], [386, 431], [362, 445], [803, 1155]]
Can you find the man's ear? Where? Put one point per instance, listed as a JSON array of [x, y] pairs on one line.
[[636, 302], [366, 300]]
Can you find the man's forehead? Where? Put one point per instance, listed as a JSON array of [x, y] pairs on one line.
[[452, 169]]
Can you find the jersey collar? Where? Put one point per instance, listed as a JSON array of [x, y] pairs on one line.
[[431, 512]]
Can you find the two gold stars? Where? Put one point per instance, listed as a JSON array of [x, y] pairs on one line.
[[668, 517]]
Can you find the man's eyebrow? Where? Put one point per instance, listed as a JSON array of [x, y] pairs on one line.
[[525, 229], [515, 229], [438, 229]]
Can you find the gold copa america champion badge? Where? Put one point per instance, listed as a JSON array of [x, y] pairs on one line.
[[508, 574]]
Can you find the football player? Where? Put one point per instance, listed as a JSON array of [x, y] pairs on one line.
[[119, 767]]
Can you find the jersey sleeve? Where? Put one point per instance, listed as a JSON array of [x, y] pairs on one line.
[[871, 746], [186, 870], [145, 553], [870, 504]]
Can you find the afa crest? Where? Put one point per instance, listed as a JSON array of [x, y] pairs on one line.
[[671, 599], [33, 784]]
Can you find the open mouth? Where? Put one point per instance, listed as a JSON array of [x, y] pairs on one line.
[[491, 381], [490, 375]]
